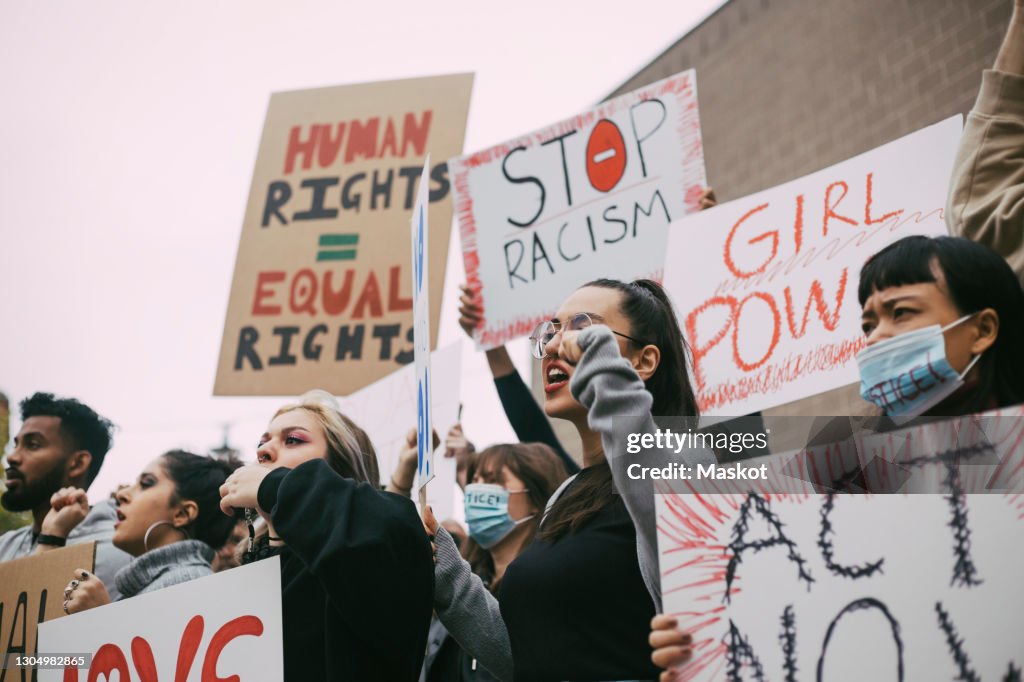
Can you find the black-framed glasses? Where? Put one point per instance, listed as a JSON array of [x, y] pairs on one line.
[[547, 330]]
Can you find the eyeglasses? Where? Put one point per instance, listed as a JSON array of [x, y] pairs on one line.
[[547, 330]]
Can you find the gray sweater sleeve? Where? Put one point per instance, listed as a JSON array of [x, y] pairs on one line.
[[468, 609], [618, 404]]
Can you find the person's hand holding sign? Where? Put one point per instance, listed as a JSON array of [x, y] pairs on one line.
[[672, 647], [404, 475], [85, 592]]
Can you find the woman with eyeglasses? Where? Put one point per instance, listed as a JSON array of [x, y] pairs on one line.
[[524, 415], [577, 603]]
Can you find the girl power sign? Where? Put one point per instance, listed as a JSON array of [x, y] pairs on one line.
[[591, 196], [766, 286]]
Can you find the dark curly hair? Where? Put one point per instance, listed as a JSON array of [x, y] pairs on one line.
[[80, 426], [199, 479]]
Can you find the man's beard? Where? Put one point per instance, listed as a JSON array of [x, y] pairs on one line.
[[28, 496]]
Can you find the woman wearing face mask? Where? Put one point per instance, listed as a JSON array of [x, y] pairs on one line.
[[169, 520], [356, 570], [503, 503], [577, 603], [944, 322]]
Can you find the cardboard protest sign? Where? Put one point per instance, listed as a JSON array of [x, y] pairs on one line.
[[766, 286], [778, 580], [588, 197], [421, 332], [32, 591], [387, 409], [322, 292], [224, 625]]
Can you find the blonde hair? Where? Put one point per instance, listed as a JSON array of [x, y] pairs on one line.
[[344, 452]]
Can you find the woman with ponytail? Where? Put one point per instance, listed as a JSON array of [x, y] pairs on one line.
[[577, 602]]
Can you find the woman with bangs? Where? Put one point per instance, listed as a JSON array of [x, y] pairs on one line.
[[943, 318], [944, 323], [356, 570]]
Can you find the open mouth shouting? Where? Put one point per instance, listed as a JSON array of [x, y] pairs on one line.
[[556, 375]]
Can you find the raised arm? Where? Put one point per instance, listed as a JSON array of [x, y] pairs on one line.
[[986, 197], [618, 404], [367, 549], [468, 610], [1010, 58]]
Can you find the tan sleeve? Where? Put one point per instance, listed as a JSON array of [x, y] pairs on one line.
[[986, 195]]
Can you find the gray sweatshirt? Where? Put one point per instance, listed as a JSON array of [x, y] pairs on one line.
[[98, 525], [617, 405], [607, 385], [165, 566]]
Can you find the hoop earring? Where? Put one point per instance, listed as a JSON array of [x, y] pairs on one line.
[[145, 538]]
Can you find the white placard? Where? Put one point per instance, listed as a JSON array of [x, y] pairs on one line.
[[766, 286], [386, 410], [225, 624], [856, 587], [591, 196]]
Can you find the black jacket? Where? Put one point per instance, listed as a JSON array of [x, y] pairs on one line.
[[357, 577]]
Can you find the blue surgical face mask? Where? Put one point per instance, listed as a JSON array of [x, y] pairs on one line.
[[487, 513], [909, 374]]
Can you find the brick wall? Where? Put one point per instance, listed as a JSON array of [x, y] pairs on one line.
[[790, 86], [787, 87]]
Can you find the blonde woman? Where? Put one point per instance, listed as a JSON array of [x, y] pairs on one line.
[[356, 568]]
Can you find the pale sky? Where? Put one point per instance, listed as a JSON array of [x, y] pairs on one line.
[[127, 141]]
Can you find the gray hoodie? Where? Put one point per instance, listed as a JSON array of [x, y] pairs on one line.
[[618, 404]]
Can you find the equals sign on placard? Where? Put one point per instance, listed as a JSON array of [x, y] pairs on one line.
[[337, 247]]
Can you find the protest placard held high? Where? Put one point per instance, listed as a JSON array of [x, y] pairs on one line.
[[322, 293]]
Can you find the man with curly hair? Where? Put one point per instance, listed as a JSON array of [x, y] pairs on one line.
[[61, 444]]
